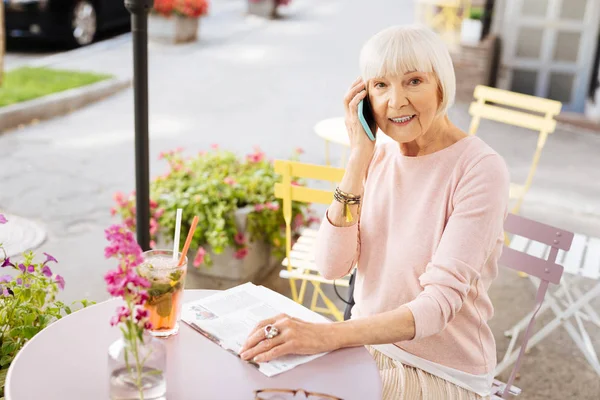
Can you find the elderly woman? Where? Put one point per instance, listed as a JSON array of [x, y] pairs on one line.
[[425, 231]]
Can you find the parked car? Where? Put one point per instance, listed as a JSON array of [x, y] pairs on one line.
[[75, 21]]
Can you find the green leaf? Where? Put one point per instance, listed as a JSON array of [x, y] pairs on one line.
[[15, 332], [40, 298], [5, 361], [164, 305], [30, 331], [29, 318], [27, 294], [9, 347]]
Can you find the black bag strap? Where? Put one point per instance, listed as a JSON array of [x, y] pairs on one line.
[[350, 302]]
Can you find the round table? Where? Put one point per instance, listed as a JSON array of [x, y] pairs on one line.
[[333, 130], [68, 361]]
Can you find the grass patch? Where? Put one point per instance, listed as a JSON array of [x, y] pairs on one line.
[[28, 83]]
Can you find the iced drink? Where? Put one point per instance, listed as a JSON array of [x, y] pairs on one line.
[[167, 280]]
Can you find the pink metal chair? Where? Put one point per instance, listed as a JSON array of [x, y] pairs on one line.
[[547, 271]]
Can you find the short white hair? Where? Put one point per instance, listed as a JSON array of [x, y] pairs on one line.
[[400, 49]]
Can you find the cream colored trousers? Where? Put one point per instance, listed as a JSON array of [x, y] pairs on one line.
[[403, 382]]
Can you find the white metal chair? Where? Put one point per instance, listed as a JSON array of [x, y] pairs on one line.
[[569, 302], [545, 270]]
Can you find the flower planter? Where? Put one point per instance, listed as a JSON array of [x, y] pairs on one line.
[[173, 29], [211, 185], [470, 33], [227, 271], [263, 8]]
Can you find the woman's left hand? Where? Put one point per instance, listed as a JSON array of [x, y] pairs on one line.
[[295, 337]]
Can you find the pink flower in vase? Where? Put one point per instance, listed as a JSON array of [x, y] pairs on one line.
[[141, 313], [142, 298]]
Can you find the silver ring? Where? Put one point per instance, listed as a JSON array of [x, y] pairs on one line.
[[271, 331]]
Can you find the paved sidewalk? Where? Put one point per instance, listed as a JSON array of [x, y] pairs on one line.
[[254, 82]]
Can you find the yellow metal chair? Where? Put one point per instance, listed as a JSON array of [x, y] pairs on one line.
[[299, 262], [526, 111]]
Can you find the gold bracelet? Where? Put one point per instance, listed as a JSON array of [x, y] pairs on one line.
[[347, 200], [347, 195]]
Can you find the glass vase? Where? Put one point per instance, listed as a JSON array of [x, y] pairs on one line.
[[137, 371]]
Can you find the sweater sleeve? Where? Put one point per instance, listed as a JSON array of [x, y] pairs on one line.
[[471, 234], [337, 249]]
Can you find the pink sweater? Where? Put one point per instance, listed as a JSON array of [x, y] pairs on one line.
[[429, 236]]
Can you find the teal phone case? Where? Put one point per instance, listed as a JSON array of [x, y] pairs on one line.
[[363, 122]]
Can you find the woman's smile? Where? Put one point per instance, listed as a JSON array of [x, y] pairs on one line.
[[403, 120]]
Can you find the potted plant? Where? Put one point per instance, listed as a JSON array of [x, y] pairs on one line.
[[240, 235], [266, 8], [176, 21], [28, 303], [471, 27]]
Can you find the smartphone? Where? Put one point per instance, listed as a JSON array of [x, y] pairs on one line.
[[366, 118]]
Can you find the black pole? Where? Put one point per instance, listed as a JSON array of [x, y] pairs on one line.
[[139, 27], [487, 18]]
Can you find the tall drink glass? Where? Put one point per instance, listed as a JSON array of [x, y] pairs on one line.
[[167, 280]]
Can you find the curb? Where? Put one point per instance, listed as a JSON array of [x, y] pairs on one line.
[[57, 104]]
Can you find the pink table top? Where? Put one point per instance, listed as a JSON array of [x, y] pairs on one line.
[[68, 361]]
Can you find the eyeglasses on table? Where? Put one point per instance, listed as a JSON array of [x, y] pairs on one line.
[[291, 394]]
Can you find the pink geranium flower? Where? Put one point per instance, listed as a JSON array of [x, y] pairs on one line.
[[241, 253], [274, 206], [239, 238], [199, 259], [257, 156]]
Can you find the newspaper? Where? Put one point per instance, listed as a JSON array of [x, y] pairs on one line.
[[228, 317]]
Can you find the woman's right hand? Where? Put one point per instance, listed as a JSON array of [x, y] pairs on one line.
[[361, 147]]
